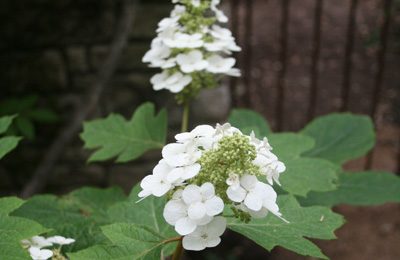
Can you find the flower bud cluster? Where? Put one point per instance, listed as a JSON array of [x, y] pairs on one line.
[[210, 168], [192, 49], [37, 247]]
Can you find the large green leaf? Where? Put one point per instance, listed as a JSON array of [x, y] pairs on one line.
[[78, 215], [126, 140], [148, 213], [7, 144], [9, 204], [96, 202], [290, 145], [248, 120], [340, 137], [311, 222], [361, 188], [303, 175], [5, 123], [130, 241]]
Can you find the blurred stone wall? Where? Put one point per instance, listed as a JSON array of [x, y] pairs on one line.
[[53, 49]]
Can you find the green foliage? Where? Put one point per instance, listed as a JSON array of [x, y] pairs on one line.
[[140, 231], [7, 143], [311, 222], [360, 188], [307, 174], [248, 120], [28, 115], [130, 242], [78, 215], [290, 145], [14, 229], [126, 140], [340, 137], [9, 204]]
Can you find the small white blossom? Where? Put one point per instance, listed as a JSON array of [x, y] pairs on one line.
[[189, 169], [157, 184], [192, 207], [192, 61], [202, 201], [218, 64], [40, 254], [178, 155], [183, 40], [36, 241], [175, 83], [59, 240], [256, 196], [205, 236]]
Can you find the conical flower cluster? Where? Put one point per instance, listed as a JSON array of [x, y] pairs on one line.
[[206, 170], [192, 49]]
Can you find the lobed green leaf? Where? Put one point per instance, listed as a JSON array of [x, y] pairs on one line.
[[311, 222], [340, 137], [126, 140]]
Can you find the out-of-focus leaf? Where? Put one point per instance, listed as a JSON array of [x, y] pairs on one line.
[[360, 188], [247, 120], [340, 137]]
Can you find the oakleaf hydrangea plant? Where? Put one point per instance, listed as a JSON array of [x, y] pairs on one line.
[[276, 191], [208, 169], [192, 49]]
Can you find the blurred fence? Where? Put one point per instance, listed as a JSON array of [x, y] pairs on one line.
[[253, 14]]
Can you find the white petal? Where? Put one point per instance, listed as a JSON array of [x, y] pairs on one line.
[[162, 169], [214, 206], [174, 210], [197, 211], [175, 174], [253, 202], [183, 137], [60, 240], [262, 213], [203, 130], [161, 189], [191, 194], [204, 221], [216, 227], [236, 194], [213, 242], [190, 171], [185, 226], [40, 254], [39, 241], [248, 182], [148, 182], [194, 243], [207, 190]]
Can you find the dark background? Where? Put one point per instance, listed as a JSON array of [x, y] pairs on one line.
[[301, 59]]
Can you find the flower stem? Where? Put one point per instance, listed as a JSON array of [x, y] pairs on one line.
[[185, 117], [178, 251]]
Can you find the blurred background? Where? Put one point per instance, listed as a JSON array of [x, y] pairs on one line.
[[64, 61]]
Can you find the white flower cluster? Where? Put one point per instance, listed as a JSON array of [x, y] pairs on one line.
[[36, 244], [184, 47], [197, 175]]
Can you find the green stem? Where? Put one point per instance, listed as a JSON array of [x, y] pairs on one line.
[[185, 117], [178, 251]]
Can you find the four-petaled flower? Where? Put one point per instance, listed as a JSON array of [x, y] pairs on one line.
[[205, 236]]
